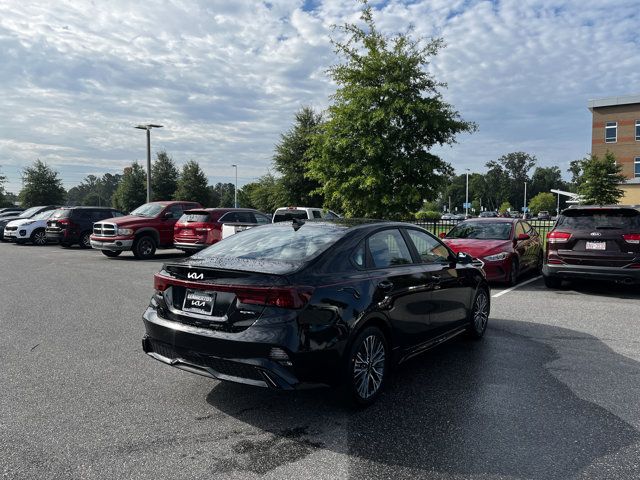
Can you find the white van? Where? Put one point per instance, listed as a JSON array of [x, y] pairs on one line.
[[302, 213]]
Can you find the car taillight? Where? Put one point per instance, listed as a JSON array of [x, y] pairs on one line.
[[283, 297], [161, 283], [65, 222], [558, 237], [202, 230], [632, 238]]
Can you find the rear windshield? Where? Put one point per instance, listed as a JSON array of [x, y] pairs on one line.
[[65, 213], [600, 219], [193, 217], [482, 230], [276, 243], [288, 215]]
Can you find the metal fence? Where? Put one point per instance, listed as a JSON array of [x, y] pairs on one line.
[[439, 226]]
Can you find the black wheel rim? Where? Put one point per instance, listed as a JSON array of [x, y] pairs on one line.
[[40, 238], [481, 312], [146, 248], [86, 241], [368, 368]]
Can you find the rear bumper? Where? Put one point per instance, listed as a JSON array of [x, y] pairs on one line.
[[190, 246], [113, 244], [60, 236], [568, 272], [241, 357]]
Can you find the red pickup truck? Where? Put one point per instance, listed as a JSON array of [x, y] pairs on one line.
[[147, 228]]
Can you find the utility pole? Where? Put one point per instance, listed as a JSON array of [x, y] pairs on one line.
[[466, 202], [235, 190], [524, 210], [148, 128]]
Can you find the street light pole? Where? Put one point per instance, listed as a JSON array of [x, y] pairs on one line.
[[235, 190], [148, 128], [466, 202], [524, 210]]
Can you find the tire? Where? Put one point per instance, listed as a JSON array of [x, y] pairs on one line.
[[85, 240], [367, 367], [144, 247], [540, 263], [479, 314], [111, 253], [514, 271], [39, 237], [552, 282]]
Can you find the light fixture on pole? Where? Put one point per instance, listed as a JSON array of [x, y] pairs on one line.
[[148, 128], [235, 190], [466, 202]]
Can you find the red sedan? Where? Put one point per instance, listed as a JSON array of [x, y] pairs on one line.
[[507, 246]]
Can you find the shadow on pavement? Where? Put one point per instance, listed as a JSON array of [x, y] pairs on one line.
[[584, 287], [467, 408]]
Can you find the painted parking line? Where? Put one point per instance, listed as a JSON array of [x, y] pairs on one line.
[[499, 294]]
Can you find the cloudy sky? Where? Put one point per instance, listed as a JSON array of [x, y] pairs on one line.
[[225, 78]]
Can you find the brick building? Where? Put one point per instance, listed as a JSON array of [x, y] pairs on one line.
[[616, 128]]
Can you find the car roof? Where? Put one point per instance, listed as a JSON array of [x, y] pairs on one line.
[[86, 207], [492, 220], [222, 209]]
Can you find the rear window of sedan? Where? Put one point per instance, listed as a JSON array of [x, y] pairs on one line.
[[276, 243], [194, 217], [482, 230], [585, 219]]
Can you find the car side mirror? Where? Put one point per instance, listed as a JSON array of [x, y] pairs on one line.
[[168, 215], [463, 258], [523, 236], [442, 234]]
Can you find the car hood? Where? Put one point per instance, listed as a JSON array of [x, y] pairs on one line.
[[4, 221], [18, 222], [128, 220], [478, 248]]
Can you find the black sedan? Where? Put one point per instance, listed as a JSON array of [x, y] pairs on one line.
[[326, 302]]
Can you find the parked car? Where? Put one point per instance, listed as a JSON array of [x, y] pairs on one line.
[[285, 214], [30, 212], [544, 215], [6, 210], [447, 216], [28, 230], [148, 227], [488, 214], [199, 228], [71, 225], [594, 243], [508, 247], [281, 305]]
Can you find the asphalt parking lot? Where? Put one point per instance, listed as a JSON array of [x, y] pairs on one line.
[[551, 392]]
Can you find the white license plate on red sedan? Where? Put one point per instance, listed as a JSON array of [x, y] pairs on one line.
[[596, 246], [196, 301]]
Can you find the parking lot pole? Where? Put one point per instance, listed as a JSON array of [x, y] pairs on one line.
[[466, 202], [524, 210], [148, 129]]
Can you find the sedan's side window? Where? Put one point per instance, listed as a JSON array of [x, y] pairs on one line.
[[429, 249], [519, 229], [388, 248], [261, 219]]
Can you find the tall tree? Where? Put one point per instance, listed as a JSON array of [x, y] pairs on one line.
[[516, 166], [41, 186], [544, 179], [192, 184], [223, 195], [291, 159], [3, 200], [164, 177], [132, 190], [543, 201], [600, 180], [267, 194], [372, 156]]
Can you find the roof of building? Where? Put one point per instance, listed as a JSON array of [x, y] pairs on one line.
[[613, 101]]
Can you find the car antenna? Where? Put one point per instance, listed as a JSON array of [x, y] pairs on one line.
[[297, 223]]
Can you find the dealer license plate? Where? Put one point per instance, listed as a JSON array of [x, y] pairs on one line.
[[196, 301], [596, 246]]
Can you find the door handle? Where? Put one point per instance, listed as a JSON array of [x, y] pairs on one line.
[[385, 286]]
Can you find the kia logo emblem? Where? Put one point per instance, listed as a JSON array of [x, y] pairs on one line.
[[595, 234], [195, 276]]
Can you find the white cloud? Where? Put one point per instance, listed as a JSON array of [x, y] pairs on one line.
[[225, 78]]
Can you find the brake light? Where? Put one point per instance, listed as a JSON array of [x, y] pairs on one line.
[[632, 238], [202, 230], [160, 282], [283, 297], [558, 237]]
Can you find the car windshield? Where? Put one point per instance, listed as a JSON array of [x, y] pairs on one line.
[[287, 215], [43, 215], [481, 230], [30, 212], [276, 243], [600, 219], [62, 213], [148, 210]]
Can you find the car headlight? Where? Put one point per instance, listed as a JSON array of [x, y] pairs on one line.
[[125, 231], [497, 257], [28, 223]]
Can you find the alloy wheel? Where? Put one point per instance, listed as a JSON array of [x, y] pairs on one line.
[[368, 368], [481, 312], [40, 238]]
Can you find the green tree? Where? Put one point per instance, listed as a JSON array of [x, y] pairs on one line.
[[192, 184], [164, 177], [498, 185], [41, 186], [544, 201], [3, 199], [504, 207], [291, 159], [600, 180], [512, 171], [372, 156], [544, 179], [223, 195], [132, 190], [266, 194]]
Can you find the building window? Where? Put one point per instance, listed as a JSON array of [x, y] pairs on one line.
[[611, 132], [636, 167], [637, 130]]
